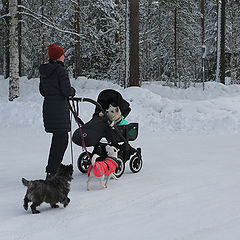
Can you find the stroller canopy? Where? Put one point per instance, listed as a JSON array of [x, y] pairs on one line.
[[110, 96]]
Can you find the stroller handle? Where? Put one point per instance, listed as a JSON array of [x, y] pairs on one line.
[[87, 100]]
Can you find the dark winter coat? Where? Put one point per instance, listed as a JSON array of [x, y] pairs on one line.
[[55, 88]]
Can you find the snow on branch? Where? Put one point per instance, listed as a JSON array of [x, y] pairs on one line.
[[74, 2], [50, 24], [5, 15]]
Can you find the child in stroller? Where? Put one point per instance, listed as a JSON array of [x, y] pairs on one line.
[[117, 134]]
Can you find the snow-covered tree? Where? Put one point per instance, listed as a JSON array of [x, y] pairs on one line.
[[13, 49], [4, 38], [95, 36], [173, 40]]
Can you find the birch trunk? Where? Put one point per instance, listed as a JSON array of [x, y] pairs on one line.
[[14, 55], [6, 39]]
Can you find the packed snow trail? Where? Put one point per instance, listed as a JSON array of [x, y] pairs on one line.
[[187, 189], [188, 186]]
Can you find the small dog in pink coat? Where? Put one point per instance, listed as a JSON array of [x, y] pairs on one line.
[[106, 167]]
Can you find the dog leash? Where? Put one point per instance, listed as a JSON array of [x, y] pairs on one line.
[[71, 145]]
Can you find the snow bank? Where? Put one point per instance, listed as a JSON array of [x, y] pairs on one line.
[[159, 108], [212, 90]]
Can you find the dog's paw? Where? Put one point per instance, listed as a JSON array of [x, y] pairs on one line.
[[54, 206], [66, 202], [35, 211], [25, 206]]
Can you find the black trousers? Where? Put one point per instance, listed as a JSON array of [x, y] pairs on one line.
[[57, 150]]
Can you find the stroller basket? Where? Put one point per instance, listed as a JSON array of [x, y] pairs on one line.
[[129, 132]]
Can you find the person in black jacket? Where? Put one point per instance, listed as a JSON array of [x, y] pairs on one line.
[[55, 87]]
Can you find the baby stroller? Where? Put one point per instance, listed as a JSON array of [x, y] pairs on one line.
[[91, 133]]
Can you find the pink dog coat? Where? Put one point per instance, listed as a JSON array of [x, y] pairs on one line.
[[105, 167]]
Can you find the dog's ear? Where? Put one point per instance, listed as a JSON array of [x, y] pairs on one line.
[[107, 147], [109, 108], [61, 166]]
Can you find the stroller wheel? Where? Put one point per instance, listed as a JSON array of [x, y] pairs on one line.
[[84, 162], [136, 163], [120, 169]]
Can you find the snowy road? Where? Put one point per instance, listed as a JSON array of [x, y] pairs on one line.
[[188, 189]]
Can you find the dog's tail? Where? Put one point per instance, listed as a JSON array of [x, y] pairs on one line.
[[26, 182]]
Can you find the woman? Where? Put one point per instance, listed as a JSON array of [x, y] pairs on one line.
[[55, 87]]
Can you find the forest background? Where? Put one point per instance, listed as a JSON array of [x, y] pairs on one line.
[[176, 42]]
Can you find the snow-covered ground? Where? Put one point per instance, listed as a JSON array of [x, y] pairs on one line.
[[187, 189]]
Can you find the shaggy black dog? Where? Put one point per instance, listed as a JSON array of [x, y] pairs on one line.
[[52, 190]]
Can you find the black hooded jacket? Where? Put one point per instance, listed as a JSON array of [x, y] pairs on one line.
[[55, 87]]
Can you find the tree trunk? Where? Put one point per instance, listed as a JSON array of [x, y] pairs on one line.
[[145, 42], [14, 55], [203, 21], [222, 45], [127, 63], [203, 41], [20, 40], [219, 5], [134, 42], [175, 48], [6, 39], [43, 35], [77, 44], [220, 72], [233, 45]]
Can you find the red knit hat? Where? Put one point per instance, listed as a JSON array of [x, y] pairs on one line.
[[55, 52]]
